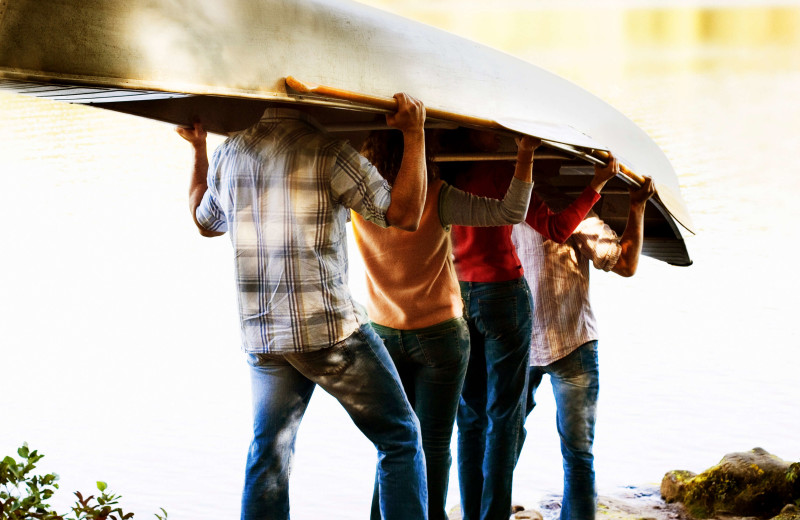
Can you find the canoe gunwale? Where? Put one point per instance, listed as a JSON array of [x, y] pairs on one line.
[[556, 151]]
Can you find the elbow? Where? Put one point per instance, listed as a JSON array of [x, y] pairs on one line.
[[624, 269], [626, 273], [558, 233], [411, 227], [513, 217], [203, 231], [404, 217], [207, 233], [628, 260]]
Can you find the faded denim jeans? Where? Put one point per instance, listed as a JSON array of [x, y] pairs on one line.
[[576, 384], [491, 412], [432, 363], [359, 373]]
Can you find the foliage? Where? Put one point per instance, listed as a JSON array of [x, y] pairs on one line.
[[793, 473], [25, 495]]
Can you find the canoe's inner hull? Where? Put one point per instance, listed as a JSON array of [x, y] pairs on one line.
[[663, 240]]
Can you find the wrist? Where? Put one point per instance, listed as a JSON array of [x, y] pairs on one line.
[[637, 206], [414, 132], [525, 156], [597, 185], [413, 138]]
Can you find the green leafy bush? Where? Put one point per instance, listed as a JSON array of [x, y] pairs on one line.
[[24, 494]]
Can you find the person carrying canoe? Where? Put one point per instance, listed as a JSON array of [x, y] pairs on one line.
[[415, 303], [498, 304], [283, 190], [564, 337]]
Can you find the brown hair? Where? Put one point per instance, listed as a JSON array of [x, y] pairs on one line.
[[384, 149]]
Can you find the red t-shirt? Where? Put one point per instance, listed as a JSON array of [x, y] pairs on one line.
[[486, 254]]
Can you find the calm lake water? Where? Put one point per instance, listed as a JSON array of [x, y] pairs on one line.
[[118, 334]]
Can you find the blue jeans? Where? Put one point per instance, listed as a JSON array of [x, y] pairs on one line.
[[576, 384], [359, 373], [491, 412], [432, 363]]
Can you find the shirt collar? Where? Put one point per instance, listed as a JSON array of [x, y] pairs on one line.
[[274, 114]]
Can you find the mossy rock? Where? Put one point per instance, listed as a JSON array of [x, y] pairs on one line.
[[790, 512], [673, 485], [753, 483]]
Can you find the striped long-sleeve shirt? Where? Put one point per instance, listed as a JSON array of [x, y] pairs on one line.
[[558, 275], [282, 189]]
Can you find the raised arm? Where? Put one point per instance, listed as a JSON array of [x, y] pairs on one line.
[[410, 187], [198, 182], [558, 226], [464, 209], [603, 174], [632, 237], [526, 146]]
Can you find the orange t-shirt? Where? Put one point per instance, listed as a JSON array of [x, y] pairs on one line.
[[411, 280]]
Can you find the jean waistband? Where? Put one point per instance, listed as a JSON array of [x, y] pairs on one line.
[[442, 325], [506, 283]]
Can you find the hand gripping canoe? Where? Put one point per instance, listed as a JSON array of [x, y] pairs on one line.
[[556, 136]]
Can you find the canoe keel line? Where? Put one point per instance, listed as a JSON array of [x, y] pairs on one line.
[[146, 59]]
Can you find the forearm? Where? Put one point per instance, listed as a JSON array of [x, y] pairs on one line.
[[198, 184], [603, 174], [559, 226], [198, 181], [408, 192], [524, 168], [464, 209], [631, 242], [597, 183]]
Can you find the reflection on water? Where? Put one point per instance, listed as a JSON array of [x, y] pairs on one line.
[[716, 26], [632, 23], [118, 329], [612, 34]]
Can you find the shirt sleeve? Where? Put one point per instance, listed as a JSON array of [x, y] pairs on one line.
[[357, 185], [209, 213], [595, 240], [559, 226], [465, 209]]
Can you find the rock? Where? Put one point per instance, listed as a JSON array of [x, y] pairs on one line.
[[637, 503], [673, 485], [753, 483], [516, 508], [790, 512], [518, 513], [454, 513]]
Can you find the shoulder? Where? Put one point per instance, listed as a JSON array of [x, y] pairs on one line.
[[594, 229], [289, 134], [596, 241]]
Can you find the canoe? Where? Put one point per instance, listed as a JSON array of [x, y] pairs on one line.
[[224, 62]]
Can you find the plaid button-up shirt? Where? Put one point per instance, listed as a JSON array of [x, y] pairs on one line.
[[558, 275], [282, 189]]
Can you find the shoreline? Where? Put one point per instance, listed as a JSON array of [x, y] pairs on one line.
[[623, 503]]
